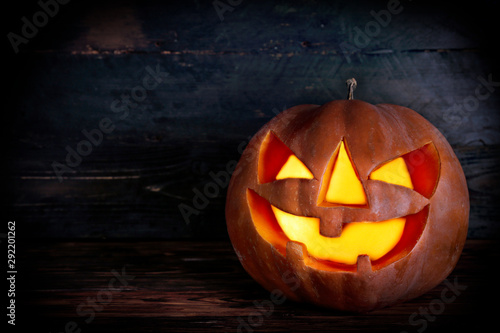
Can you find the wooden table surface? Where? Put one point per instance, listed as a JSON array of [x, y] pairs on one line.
[[186, 286]]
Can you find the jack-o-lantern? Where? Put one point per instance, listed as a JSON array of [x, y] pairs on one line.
[[361, 206]]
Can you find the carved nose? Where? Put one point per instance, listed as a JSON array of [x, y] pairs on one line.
[[341, 183]]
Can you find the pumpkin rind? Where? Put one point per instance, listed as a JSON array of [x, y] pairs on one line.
[[375, 134]]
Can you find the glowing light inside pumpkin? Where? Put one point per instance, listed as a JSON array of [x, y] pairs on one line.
[[345, 187], [341, 186], [394, 172], [294, 168], [374, 239]]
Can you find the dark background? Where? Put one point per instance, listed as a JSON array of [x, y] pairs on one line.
[[226, 78]]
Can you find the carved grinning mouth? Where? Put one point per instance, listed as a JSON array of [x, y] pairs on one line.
[[382, 241], [374, 239]]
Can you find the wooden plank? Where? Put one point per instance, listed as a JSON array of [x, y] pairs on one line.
[[194, 287], [125, 190], [257, 26], [208, 97]]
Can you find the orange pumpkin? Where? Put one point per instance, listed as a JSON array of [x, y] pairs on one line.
[[362, 205]]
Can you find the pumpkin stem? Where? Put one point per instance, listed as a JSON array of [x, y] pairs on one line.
[[351, 85]]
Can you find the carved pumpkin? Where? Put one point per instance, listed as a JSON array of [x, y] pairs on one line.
[[363, 206]]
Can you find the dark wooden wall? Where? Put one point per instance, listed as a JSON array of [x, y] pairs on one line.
[[221, 80]]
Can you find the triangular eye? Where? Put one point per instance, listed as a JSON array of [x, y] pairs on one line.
[[393, 172], [294, 168], [277, 161]]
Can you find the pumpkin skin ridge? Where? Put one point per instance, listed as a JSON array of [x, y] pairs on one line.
[[428, 263]]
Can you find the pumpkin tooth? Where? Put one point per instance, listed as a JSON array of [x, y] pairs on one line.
[[364, 264], [330, 229], [296, 250]]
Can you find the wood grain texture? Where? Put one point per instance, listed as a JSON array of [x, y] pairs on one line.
[[201, 287], [125, 190], [223, 79]]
